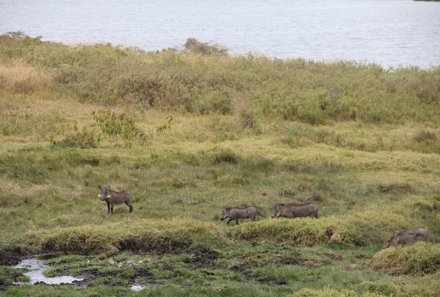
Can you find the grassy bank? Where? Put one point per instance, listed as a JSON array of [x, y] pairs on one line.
[[191, 132]]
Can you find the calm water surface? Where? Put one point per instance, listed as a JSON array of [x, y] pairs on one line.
[[392, 33]]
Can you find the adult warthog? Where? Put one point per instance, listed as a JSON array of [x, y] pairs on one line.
[[407, 237], [296, 210], [112, 197], [235, 213]]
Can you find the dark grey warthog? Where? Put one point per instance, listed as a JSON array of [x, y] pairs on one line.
[[296, 210], [243, 212], [112, 197], [407, 237]]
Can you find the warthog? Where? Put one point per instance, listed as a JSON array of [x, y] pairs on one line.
[[243, 212], [407, 237], [112, 197], [296, 210]]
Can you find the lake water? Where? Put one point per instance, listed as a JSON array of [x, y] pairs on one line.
[[392, 33]]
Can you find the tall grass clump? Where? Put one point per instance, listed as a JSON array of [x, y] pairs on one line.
[[426, 141], [419, 258], [137, 236], [20, 77]]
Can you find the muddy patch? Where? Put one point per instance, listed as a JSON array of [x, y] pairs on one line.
[[10, 256], [204, 258], [301, 261]]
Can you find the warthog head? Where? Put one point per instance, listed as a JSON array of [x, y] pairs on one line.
[[277, 212], [105, 192], [224, 214], [392, 241]]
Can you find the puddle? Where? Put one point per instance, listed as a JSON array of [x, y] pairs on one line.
[[36, 269], [137, 288]]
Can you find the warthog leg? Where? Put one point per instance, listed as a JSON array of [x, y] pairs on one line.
[[108, 207], [228, 221], [130, 207]]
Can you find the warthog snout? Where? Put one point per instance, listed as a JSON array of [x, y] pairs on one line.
[[275, 215]]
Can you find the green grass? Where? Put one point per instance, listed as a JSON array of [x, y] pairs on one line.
[[192, 132]]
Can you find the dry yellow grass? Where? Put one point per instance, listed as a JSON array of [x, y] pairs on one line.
[[24, 78]]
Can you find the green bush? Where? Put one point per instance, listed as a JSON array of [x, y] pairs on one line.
[[119, 125]]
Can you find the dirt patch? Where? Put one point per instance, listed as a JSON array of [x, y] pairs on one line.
[[93, 274], [301, 261], [138, 247], [11, 256], [204, 258], [334, 256]]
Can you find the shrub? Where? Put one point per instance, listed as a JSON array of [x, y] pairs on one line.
[[118, 125], [194, 46]]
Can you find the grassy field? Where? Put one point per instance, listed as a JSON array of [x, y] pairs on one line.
[[191, 132]]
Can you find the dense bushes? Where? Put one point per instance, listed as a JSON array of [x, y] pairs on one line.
[[202, 80]]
